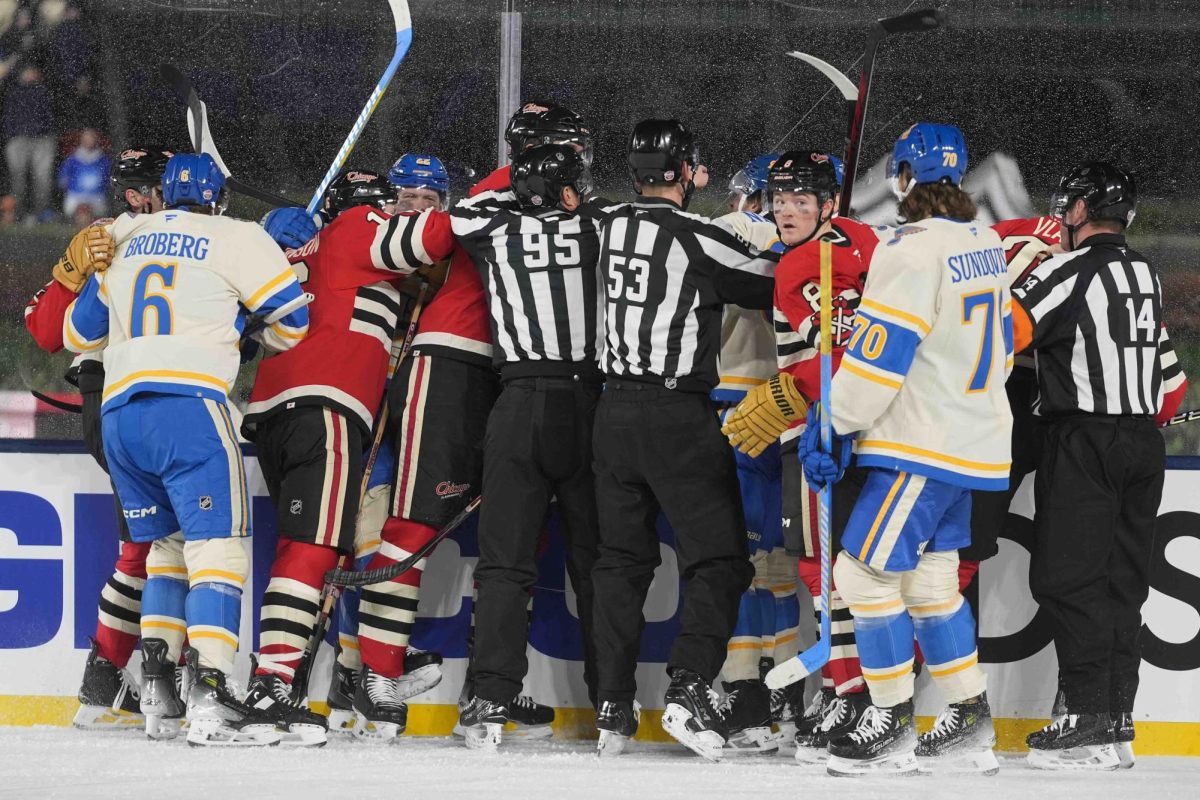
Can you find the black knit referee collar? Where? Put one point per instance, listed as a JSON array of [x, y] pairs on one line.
[[1117, 239]]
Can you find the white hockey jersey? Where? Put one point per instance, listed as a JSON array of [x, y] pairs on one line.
[[747, 355], [922, 378], [172, 306]]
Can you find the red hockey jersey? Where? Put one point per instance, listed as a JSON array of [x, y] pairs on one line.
[[352, 268]]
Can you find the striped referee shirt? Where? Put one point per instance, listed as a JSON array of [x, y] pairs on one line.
[[667, 276], [540, 273], [1096, 325]]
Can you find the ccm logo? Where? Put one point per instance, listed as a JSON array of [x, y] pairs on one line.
[[138, 513], [448, 489]]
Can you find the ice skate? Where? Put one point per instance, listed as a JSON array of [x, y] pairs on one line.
[[160, 700], [1123, 733], [298, 726], [109, 697], [1074, 742], [380, 713], [692, 717], [482, 723], [528, 719], [617, 722], [883, 743], [747, 713], [961, 740], [216, 718], [787, 705], [422, 672], [342, 719], [840, 715]]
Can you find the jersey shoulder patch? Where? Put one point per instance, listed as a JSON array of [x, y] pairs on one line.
[[904, 230]]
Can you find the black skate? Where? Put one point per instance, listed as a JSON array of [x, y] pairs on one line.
[[1074, 742], [961, 740], [298, 726], [481, 723], [692, 717], [422, 672], [216, 718], [841, 716], [108, 697], [529, 720], [617, 722], [381, 714], [787, 706], [747, 713], [161, 696], [1123, 734], [341, 699], [884, 742]]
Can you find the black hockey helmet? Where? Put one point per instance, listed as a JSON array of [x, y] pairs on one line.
[[658, 149], [1107, 191], [140, 169], [555, 125], [540, 173], [803, 171], [357, 187]]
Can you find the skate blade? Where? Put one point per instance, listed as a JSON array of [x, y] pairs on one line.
[[611, 744], [1125, 754], [483, 737], [1093, 757], [215, 733], [342, 722], [812, 756], [419, 681], [367, 731], [163, 729], [706, 744], [103, 718], [978, 762], [753, 742], [787, 733], [515, 730], [894, 765], [303, 735]]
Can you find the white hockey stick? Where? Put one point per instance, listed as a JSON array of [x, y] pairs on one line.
[[403, 41], [840, 81]]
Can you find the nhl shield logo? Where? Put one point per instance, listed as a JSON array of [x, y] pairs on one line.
[[205, 503], [670, 383], [296, 507]]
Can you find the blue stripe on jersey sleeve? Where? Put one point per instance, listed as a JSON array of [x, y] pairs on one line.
[[297, 319], [1007, 325], [883, 344], [89, 313]]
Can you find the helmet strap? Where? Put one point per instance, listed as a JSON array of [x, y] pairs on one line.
[[821, 223]]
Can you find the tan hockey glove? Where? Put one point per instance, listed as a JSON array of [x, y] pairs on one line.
[[90, 251], [766, 412]]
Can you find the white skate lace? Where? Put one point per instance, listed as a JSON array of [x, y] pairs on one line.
[[946, 722], [714, 699], [1061, 722], [837, 709], [874, 723], [524, 701], [726, 705], [382, 691], [816, 705]]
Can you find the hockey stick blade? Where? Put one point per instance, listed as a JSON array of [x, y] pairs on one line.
[[351, 577], [844, 85], [62, 405], [795, 669], [925, 19]]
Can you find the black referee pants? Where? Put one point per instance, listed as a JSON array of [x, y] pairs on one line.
[[538, 447], [1097, 493], [656, 449]]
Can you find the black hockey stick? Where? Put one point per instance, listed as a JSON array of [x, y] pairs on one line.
[[77, 408], [1182, 417], [911, 22], [202, 141]]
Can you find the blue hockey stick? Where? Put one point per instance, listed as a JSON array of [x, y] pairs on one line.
[[816, 656], [403, 40]]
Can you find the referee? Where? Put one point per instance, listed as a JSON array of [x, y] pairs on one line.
[[658, 443], [1094, 319]]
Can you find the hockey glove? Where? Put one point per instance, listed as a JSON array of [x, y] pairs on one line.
[[767, 411], [820, 467], [91, 250], [291, 227]]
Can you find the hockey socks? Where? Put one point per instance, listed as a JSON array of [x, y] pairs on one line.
[[946, 632], [118, 624], [387, 610], [290, 605], [164, 596], [745, 646], [217, 569]]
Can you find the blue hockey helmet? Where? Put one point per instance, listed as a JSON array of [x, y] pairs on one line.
[[193, 179], [936, 153], [753, 177], [838, 169], [421, 171]]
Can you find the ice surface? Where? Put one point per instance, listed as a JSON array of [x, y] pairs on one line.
[[65, 763]]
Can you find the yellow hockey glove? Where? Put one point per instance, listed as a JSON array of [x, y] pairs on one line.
[[90, 251], [767, 411]]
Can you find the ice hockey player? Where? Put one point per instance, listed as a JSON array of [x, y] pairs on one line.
[[920, 385], [171, 308], [802, 190], [1101, 474], [657, 445], [539, 122], [768, 621], [310, 413], [108, 697]]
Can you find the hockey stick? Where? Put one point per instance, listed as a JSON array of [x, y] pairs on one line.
[[202, 141], [74, 408], [256, 324], [816, 656], [911, 22], [1182, 417], [403, 41]]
